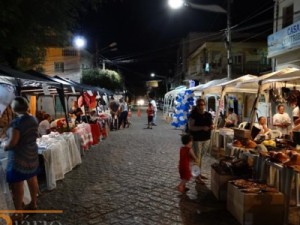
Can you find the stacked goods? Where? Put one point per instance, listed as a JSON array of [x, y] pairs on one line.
[[227, 169], [252, 187], [233, 166], [246, 143], [286, 157], [254, 203]]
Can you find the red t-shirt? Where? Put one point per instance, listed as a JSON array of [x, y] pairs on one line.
[[184, 164]]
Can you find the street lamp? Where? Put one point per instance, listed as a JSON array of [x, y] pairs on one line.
[[176, 4], [79, 42], [163, 77]]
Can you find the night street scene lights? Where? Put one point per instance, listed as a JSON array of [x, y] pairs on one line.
[[166, 80], [79, 42], [176, 4]]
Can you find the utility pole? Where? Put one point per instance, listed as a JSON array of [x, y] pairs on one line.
[[228, 40]]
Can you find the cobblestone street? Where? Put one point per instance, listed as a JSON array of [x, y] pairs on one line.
[[129, 179]]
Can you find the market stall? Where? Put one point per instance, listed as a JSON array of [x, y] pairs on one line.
[[60, 154], [275, 163], [169, 101]]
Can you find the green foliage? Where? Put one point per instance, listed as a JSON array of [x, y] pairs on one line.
[[28, 26], [103, 78]]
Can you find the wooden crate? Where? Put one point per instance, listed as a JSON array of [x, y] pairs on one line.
[[219, 184], [255, 209], [241, 133]]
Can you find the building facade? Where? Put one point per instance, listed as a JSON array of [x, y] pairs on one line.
[[284, 43], [203, 57], [67, 62], [209, 61]]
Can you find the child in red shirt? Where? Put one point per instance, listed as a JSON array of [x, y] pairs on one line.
[[150, 113], [186, 155]]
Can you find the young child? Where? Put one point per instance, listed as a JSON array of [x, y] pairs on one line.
[[186, 155], [150, 113]]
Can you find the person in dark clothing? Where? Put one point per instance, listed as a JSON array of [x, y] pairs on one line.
[[200, 124], [114, 112], [76, 111]]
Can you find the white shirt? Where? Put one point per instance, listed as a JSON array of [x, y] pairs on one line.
[[154, 105], [282, 119], [232, 117], [43, 127]]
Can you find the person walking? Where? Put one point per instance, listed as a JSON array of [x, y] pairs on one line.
[[154, 105], [150, 114], [200, 125], [186, 154], [123, 109], [23, 160], [114, 112]]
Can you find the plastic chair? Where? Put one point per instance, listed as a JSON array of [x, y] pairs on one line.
[[242, 125], [274, 133]]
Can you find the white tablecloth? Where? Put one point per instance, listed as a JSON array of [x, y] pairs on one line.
[[6, 201], [5, 196], [60, 154]]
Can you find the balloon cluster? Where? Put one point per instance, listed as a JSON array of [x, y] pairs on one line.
[[184, 101]]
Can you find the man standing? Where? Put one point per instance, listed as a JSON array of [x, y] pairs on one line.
[[200, 125], [153, 103], [282, 120]]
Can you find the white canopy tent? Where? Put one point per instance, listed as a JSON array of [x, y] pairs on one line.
[[170, 97], [288, 77]]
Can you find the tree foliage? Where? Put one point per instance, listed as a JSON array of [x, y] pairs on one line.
[[109, 79], [28, 26]]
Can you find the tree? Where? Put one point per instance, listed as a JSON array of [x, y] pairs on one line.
[[103, 78], [28, 26]]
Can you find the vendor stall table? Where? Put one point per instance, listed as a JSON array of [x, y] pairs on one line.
[[84, 132], [95, 129], [60, 155]]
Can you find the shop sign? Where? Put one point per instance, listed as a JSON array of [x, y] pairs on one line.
[[152, 83], [284, 40]]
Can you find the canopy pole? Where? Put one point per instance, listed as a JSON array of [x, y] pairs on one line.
[[215, 122], [255, 104]]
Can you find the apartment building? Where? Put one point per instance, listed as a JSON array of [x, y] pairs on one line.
[[68, 62], [284, 43]]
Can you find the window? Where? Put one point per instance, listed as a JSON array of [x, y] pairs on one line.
[[59, 67], [69, 52], [237, 59], [287, 16]]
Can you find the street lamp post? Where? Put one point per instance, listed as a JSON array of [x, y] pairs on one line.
[[175, 4], [79, 42], [163, 77], [110, 48]]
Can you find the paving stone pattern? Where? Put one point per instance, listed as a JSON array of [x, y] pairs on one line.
[[130, 179]]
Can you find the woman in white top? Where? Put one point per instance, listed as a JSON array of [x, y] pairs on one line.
[[44, 126], [232, 119]]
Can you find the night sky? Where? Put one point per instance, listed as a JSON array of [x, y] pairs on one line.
[[148, 31]]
